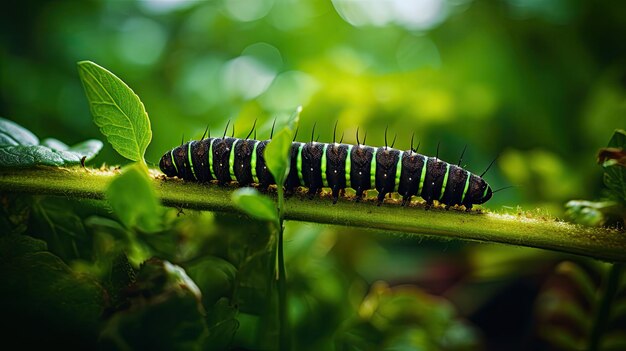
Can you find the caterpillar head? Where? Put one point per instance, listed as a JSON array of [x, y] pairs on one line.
[[487, 194], [483, 192], [479, 191], [167, 164]]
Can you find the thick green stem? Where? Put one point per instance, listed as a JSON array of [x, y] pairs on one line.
[[602, 316], [515, 229]]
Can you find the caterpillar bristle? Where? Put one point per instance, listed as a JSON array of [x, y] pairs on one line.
[[272, 131], [386, 127], [490, 164], [313, 131], [205, 131], [251, 130], [226, 129], [462, 153]]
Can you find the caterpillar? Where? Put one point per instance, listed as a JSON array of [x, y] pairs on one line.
[[316, 165]]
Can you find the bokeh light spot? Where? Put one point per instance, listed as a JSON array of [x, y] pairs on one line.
[[289, 90], [410, 14], [141, 41], [248, 10], [246, 77], [417, 52], [266, 54]]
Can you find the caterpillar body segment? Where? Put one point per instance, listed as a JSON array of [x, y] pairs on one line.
[[336, 166]]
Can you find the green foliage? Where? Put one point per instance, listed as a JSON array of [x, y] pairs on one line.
[[612, 211], [117, 110], [41, 294], [406, 318], [614, 172], [254, 204], [134, 201], [278, 150], [165, 304], [62, 226], [21, 148], [575, 291], [215, 277], [222, 324], [593, 213]]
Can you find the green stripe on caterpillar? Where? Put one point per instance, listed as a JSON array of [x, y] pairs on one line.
[[359, 167]]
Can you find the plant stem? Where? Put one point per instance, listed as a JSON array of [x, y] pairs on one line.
[[522, 229], [603, 312], [283, 328]]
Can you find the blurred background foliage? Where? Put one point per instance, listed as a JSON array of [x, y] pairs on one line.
[[543, 83]]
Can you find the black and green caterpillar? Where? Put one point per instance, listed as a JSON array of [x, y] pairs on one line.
[[337, 166]]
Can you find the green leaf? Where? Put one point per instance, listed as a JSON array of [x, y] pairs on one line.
[[592, 213], [12, 246], [13, 134], [40, 293], [277, 155], [222, 326], [277, 152], [87, 149], [119, 279], [117, 110], [158, 278], [57, 223], [255, 204], [615, 174], [134, 200], [164, 312], [214, 276], [20, 148]]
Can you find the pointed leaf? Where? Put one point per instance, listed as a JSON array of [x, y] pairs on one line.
[[277, 155], [117, 110], [87, 149], [13, 134], [255, 204], [277, 152], [134, 200], [20, 148]]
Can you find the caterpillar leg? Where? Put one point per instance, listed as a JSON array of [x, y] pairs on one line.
[[359, 195], [263, 188], [289, 191], [468, 208], [406, 199], [381, 198], [335, 195], [429, 204], [311, 193]]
